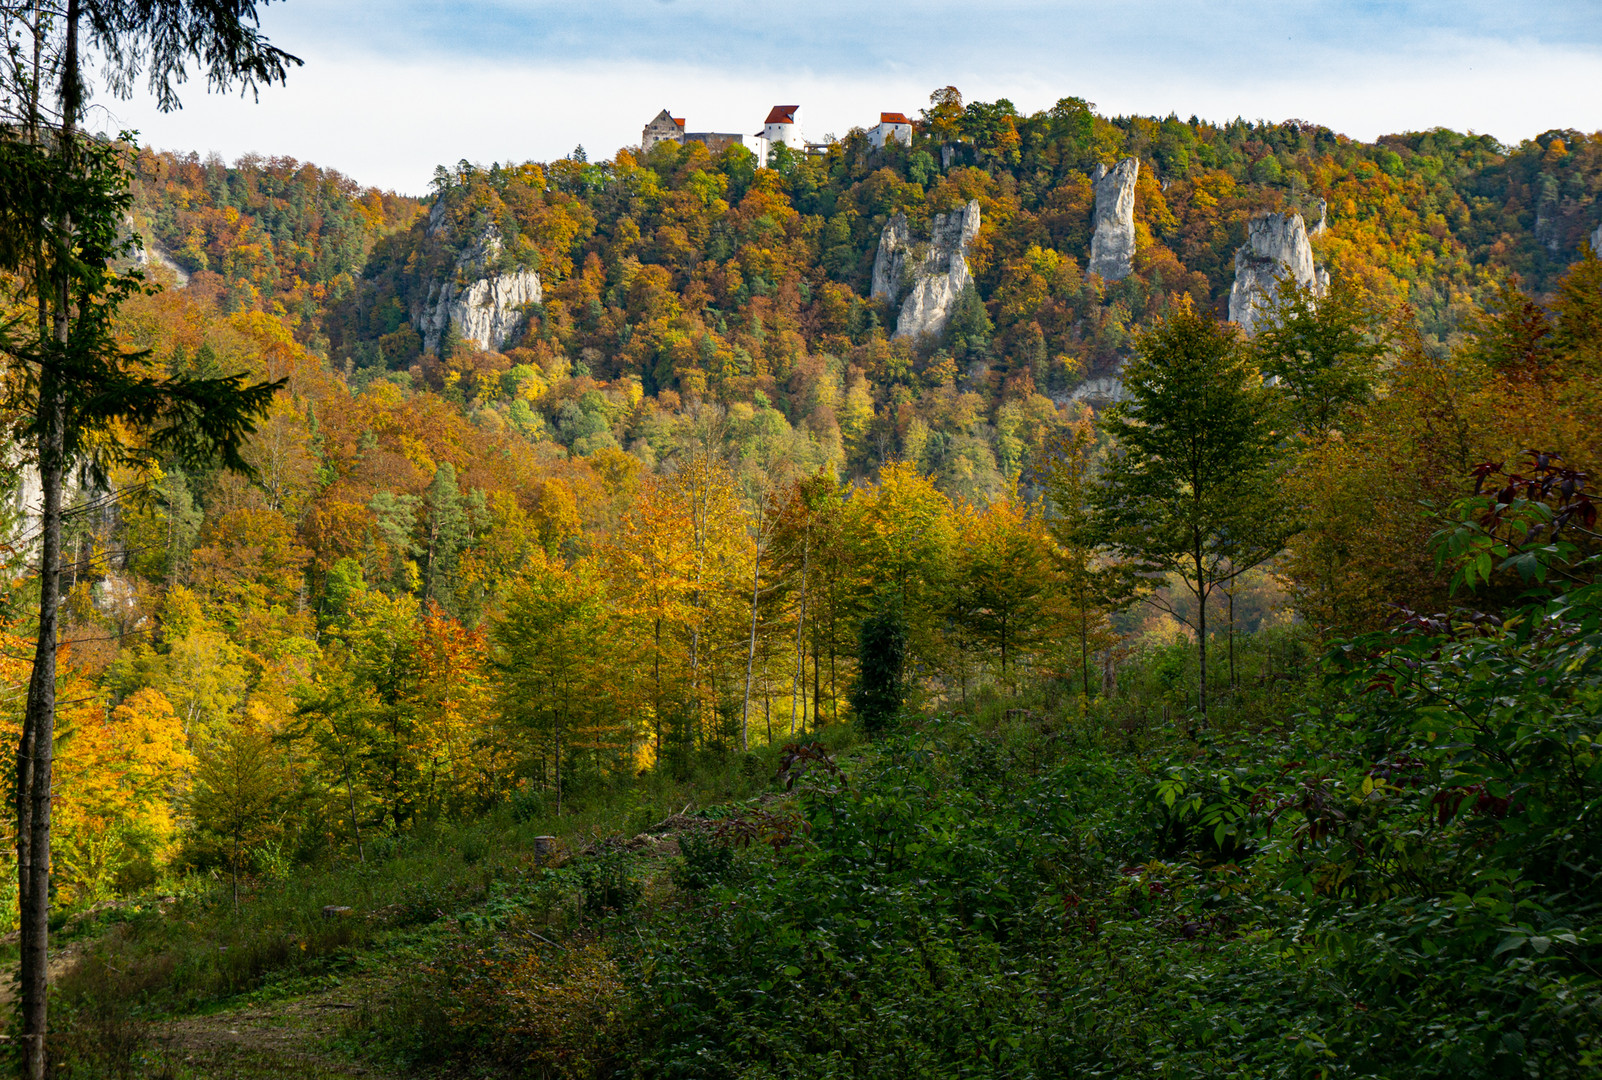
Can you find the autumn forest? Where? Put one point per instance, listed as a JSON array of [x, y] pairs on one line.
[[692, 675]]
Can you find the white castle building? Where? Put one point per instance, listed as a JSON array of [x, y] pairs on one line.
[[892, 127], [781, 128]]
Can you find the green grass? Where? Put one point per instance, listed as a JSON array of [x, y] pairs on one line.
[[148, 963]]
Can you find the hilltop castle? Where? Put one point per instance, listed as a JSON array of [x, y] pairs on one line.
[[781, 128]]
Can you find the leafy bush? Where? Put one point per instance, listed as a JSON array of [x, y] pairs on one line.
[[706, 863], [514, 1002], [1402, 886]]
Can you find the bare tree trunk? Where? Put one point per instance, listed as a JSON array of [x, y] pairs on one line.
[[657, 671], [1084, 646], [1201, 635], [750, 656], [355, 827], [1230, 592], [35, 749], [798, 696], [34, 755], [834, 692], [817, 683]]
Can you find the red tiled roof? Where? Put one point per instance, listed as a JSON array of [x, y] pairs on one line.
[[893, 118], [782, 114], [678, 121]]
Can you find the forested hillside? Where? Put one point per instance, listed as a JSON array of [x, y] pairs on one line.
[[1109, 725], [710, 280]]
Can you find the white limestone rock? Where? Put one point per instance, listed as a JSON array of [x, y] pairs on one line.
[[485, 308], [1112, 248], [1323, 219], [25, 518], [1276, 248], [939, 277], [153, 254], [149, 252], [1596, 241], [1098, 391], [891, 260]]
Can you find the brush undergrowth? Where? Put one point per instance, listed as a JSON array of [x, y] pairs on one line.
[[1387, 866]]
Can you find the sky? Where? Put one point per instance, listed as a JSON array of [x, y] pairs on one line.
[[392, 88]]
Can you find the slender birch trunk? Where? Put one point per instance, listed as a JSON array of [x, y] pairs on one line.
[[750, 655], [35, 748]]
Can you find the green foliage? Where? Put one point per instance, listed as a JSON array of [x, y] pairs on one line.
[[879, 693], [706, 862], [1025, 902], [191, 420], [1190, 488], [1323, 350]]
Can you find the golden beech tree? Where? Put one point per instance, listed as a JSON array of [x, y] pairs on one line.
[[901, 534], [651, 562], [119, 776], [554, 640], [1000, 588], [463, 753]]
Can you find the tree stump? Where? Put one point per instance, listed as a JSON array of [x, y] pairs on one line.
[[336, 911], [544, 848]]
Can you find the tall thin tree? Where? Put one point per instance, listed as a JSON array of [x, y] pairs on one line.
[[65, 205], [1191, 489]]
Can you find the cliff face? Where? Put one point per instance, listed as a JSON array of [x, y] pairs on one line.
[[1596, 241], [1276, 248], [939, 271], [485, 307], [891, 259], [152, 254], [1112, 248]]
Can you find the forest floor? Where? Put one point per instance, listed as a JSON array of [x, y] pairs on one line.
[[315, 1020], [288, 1037]]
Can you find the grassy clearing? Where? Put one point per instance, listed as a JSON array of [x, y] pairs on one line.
[[149, 970]]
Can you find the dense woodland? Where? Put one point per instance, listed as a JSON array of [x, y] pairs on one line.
[[1283, 767]]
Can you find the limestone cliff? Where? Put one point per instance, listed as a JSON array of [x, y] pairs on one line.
[[1596, 241], [152, 254], [27, 501], [1112, 248], [891, 260], [938, 270], [1276, 248], [1098, 391], [1323, 219], [483, 304]]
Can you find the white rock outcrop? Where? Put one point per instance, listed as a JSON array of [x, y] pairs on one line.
[[938, 271], [891, 260], [26, 517], [1098, 391], [1112, 247], [485, 308], [1276, 248], [1596, 241], [152, 254]]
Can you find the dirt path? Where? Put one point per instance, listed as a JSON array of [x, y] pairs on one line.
[[289, 1038], [60, 960]]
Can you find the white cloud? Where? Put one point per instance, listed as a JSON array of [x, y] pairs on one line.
[[388, 120]]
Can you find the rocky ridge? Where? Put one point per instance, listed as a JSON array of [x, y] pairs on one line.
[[1112, 247], [937, 275], [485, 307], [151, 253], [1276, 248]]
